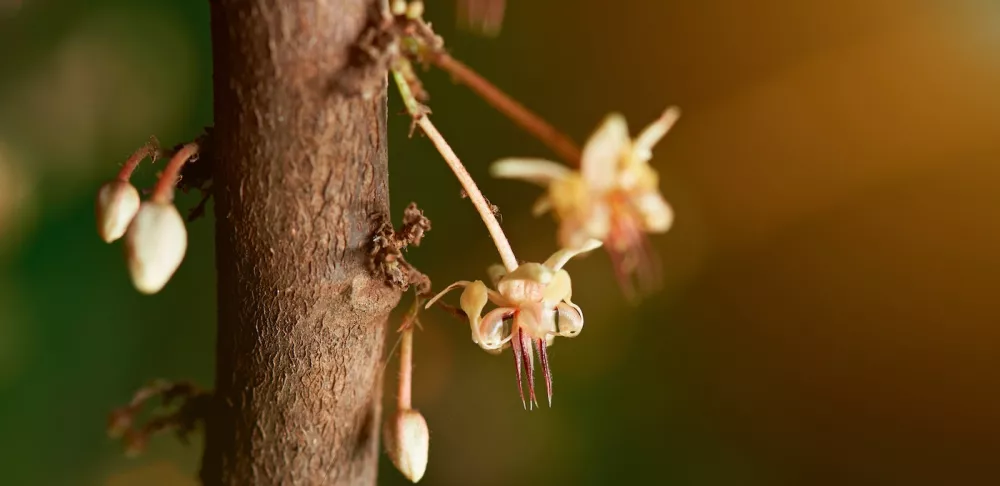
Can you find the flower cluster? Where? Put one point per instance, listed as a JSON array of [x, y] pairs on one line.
[[154, 231]]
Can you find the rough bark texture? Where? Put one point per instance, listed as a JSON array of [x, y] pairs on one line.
[[300, 180]]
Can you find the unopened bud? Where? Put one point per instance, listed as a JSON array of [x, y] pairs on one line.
[[154, 245], [117, 203], [398, 7], [415, 9], [407, 441]]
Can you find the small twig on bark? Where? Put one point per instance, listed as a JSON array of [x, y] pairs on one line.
[[183, 406], [197, 174], [385, 252], [199, 210]]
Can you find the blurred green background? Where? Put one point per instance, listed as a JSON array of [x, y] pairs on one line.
[[831, 313]]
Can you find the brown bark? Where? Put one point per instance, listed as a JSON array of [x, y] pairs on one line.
[[300, 181]]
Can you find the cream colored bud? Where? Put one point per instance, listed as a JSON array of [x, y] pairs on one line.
[[117, 203], [398, 7], [407, 441], [415, 9], [154, 245]]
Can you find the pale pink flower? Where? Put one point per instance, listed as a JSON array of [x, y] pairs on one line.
[[614, 197], [533, 306]]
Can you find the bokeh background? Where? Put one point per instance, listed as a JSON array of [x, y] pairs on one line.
[[830, 313]]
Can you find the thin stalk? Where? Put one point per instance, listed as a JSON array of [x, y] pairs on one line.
[[557, 141], [406, 370], [148, 150], [164, 190], [416, 110]]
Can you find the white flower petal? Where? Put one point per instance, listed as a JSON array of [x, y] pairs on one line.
[[537, 171], [603, 152], [559, 258], [657, 215], [642, 148]]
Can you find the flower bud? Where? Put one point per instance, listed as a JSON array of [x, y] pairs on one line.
[[398, 7], [154, 245], [415, 9], [117, 203], [407, 441]]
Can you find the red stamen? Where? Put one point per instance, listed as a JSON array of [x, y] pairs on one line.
[[515, 345], [546, 371], [529, 365]]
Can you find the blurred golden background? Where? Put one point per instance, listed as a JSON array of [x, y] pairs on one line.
[[831, 313]]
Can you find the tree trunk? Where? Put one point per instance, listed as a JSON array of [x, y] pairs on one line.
[[300, 181]]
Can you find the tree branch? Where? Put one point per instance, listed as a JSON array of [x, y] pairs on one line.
[[300, 181]]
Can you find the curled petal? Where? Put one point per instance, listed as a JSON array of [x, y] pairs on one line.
[[491, 329], [642, 149], [603, 152], [559, 258], [569, 320], [538, 171], [657, 215]]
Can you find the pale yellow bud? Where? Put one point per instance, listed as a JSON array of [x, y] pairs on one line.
[[117, 203], [415, 9], [398, 7], [407, 441], [154, 245]]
